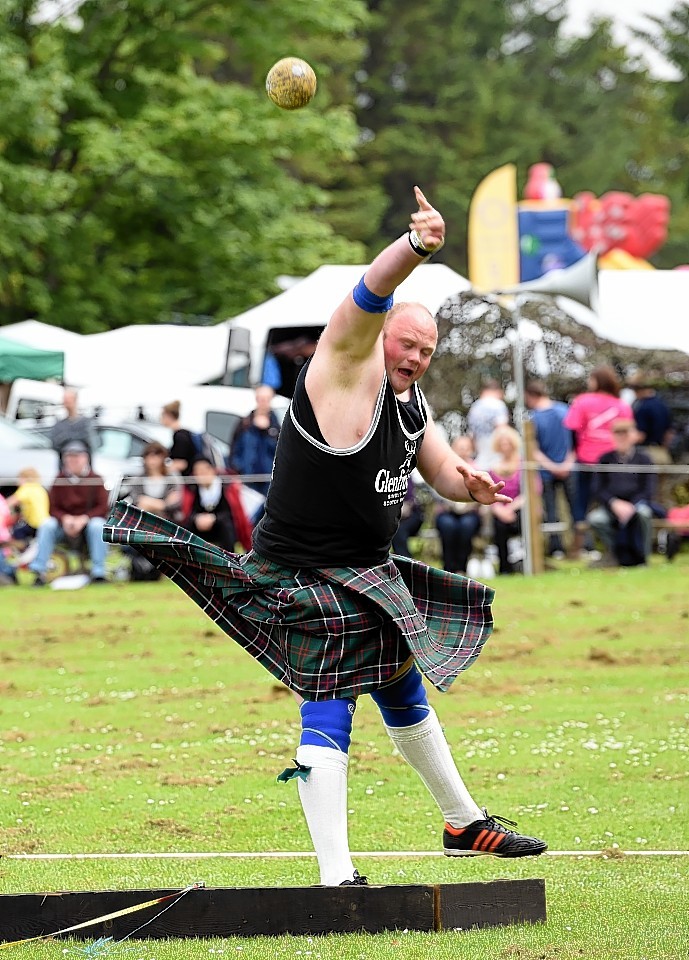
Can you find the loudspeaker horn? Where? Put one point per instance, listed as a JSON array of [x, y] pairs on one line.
[[578, 282]]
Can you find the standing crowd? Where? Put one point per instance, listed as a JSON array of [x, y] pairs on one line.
[[600, 460], [600, 475]]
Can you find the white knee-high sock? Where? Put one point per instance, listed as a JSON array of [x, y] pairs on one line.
[[323, 798], [424, 747]]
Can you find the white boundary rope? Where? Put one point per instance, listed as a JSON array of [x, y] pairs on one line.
[[287, 855]]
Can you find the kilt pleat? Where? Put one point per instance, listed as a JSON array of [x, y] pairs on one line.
[[324, 632]]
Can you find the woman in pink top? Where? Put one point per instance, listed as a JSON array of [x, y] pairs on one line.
[[590, 418]]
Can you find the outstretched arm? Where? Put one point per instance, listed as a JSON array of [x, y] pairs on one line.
[[353, 329], [451, 476]]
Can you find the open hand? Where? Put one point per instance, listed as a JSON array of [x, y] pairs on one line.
[[482, 486]]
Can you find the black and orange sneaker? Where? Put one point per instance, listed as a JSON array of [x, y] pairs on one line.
[[489, 838]]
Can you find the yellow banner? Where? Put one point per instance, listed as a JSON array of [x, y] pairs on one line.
[[494, 231]]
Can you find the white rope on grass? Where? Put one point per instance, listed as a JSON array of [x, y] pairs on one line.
[[294, 854]]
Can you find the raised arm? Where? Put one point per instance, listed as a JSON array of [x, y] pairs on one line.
[[354, 328]]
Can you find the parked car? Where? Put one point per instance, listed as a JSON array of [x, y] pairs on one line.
[[20, 449], [207, 408], [117, 454]]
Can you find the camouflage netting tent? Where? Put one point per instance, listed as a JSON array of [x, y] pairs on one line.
[[476, 338]]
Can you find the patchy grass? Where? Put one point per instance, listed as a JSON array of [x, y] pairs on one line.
[[129, 722]]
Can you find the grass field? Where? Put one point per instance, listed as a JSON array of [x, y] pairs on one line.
[[128, 722]]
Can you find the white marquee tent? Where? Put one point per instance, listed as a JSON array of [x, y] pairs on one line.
[[645, 308], [311, 301], [169, 355]]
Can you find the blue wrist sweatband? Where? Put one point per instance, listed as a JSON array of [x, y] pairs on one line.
[[370, 302]]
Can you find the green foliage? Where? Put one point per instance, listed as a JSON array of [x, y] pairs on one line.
[[138, 175], [456, 90], [143, 171]]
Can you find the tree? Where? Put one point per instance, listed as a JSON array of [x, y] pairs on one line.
[[671, 39], [455, 90], [143, 171]]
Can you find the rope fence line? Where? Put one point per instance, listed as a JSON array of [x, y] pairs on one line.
[[607, 853], [678, 469]]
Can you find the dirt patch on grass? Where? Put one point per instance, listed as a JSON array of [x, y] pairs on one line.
[[275, 692], [14, 736], [62, 791], [513, 651], [172, 827], [136, 763], [177, 780], [633, 658], [19, 840]]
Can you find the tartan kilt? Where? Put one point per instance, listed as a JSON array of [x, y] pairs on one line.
[[326, 632]]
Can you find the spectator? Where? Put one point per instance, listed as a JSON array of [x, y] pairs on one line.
[[485, 414], [73, 427], [458, 522], [183, 450], [213, 508], [253, 445], [654, 431], [31, 502], [623, 518], [590, 418], [411, 520], [7, 572], [158, 489], [78, 508], [553, 454], [507, 516]]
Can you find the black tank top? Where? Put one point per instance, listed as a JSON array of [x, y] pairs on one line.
[[328, 507]]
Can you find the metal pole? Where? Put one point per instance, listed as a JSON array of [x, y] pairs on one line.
[[519, 415]]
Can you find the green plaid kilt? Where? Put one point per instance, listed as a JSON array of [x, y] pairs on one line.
[[327, 632]]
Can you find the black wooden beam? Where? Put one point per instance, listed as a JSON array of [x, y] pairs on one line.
[[463, 906], [271, 911]]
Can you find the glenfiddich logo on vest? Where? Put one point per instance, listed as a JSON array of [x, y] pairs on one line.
[[396, 486]]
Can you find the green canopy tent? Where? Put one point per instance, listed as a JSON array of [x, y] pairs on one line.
[[19, 360]]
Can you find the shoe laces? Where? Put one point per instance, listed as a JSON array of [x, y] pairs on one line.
[[495, 820]]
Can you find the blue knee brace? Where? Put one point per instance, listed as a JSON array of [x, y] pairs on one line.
[[327, 723], [403, 702]]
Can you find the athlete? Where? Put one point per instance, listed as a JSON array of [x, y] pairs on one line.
[[318, 600]]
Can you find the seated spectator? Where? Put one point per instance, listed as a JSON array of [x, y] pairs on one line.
[[31, 503], [158, 490], [410, 522], [212, 508], [507, 516], [624, 513], [254, 442], [78, 508], [458, 523]]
